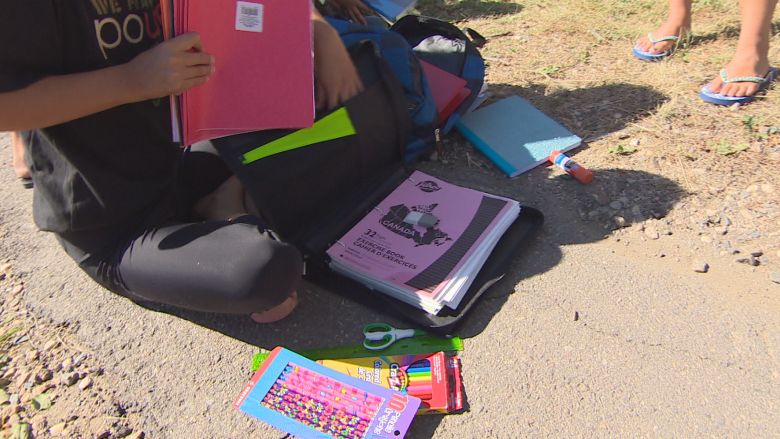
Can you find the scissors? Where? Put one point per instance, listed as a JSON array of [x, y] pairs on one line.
[[380, 335]]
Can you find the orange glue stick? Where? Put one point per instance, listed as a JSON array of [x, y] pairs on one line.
[[571, 167]]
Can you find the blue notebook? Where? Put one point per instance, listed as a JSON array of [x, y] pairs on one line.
[[390, 9], [515, 135]]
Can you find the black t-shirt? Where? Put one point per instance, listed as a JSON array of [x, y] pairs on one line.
[[97, 177]]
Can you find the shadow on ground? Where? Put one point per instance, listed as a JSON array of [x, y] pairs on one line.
[[589, 112]]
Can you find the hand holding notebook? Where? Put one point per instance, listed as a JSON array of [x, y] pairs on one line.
[[170, 68]]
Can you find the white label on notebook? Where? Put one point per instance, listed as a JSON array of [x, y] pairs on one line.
[[249, 16]]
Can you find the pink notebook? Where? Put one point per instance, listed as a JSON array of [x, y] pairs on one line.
[[448, 90], [263, 59]]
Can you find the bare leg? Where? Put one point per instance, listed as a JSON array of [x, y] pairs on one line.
[[224, 203], [17, 150], [227, 202], [752, 55], [678, 24]]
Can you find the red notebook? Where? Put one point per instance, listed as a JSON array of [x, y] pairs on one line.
[[263, 59], [448, 90]]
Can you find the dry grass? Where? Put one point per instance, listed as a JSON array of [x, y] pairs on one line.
[[572, 60]]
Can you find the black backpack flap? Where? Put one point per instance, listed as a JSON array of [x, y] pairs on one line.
[[305, 191], [447, 47], [447, 321]]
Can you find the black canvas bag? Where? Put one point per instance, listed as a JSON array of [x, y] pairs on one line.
[[311, 196]]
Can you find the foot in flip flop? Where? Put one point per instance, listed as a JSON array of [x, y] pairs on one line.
[[736, 90], [278, 312], [661, 43]]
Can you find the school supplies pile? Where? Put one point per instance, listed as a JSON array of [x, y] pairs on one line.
[[306, 399], [515, 135], [406, 360], [263, 77], [425, 242], [315, 189]]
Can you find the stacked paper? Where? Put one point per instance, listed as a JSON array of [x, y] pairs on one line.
[[429, 267]]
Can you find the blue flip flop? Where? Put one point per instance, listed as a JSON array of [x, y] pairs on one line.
[[716, 98], [650, 56]]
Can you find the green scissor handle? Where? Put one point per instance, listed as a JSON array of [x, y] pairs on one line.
[[380, 335]]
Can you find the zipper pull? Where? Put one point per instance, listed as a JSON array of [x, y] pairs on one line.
[[439, 145]]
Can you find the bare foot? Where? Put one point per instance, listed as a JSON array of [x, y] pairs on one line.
[[224, 203], [278, 312], [20, 168], [740, 66], [666, 30]]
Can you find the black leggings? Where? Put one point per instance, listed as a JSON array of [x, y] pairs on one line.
[[233, 267]]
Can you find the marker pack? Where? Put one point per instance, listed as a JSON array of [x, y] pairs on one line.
[[433, 378]]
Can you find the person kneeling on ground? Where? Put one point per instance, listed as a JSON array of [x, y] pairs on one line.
[[144, 218]]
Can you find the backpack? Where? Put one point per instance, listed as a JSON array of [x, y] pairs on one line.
[[411, 39], [403, 62], [447, 47]]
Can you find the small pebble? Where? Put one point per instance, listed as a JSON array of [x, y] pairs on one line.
[[85, 383], [78, 359], [652, 233], [31, 356], [69, 379], [750, 260], [23, 378], [122, 431], [700, 266], [58, 429], [775, 277]]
